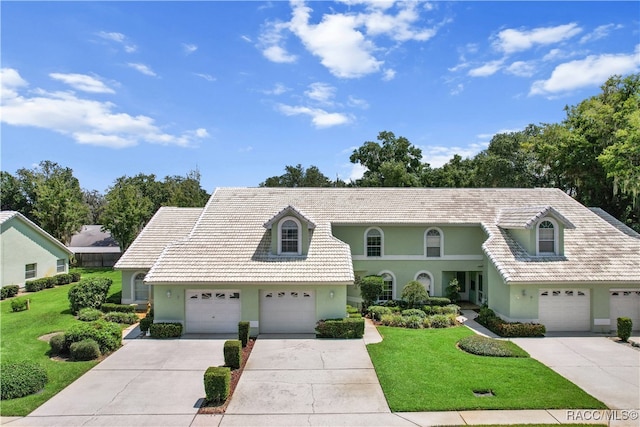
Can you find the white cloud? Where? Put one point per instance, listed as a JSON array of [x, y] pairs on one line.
[[82, 82], [246, 38], [144, 69], [600, 32], [358, 103], [320, 118], [271, 42], [278, 89], [457, 90], [593, 70], [84, 120], [388, 75], [511, 40], [521, 68], [279, 54], [189, 48], [437, 155], [488, 69], [120, 39], [321, 92], [207, 77]]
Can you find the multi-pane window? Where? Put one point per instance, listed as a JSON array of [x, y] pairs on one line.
[[140, 289], [374, 242], [30, 271], [289, 237], [546, 237], [61, 266], [387, 287], [434, 243]]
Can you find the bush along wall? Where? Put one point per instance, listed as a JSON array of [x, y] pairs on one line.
[[495, 324], [9, 291], [165, 330], [340, 328]]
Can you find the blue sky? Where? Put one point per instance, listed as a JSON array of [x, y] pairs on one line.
[[239, 89]]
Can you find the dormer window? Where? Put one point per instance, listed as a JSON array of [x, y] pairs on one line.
[[547, 238], [289, 241]]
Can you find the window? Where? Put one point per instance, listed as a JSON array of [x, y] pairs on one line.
[[141, 291], [434, 243], [290, 238], [61, 266], [387, 287], [425, 279], [30, 271], [546, 238], [374, 242]]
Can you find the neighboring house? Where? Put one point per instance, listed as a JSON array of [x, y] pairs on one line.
[[93, 247], [28, 252], [284, 258]]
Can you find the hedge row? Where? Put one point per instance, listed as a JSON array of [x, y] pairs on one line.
[[9, 291], [495, 324], [165, 330], [49, 282], [340, 328], [122, 308]]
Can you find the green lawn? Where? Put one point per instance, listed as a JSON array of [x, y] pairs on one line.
[[423, 370], [19, 334]]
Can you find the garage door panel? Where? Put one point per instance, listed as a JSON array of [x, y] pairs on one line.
[[212, 311], [565, 309], [290, 311], [624, 304]]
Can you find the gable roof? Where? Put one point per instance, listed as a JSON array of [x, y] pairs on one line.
[[527, 217], [289, 210], [166, 226], [91, 239], [229, 243], [6, 216]]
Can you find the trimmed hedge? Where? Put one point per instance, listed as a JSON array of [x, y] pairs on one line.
[[9, 291], [63, 279], [495, 324], [438, 301], [108, 335], [85, 350], [484, 346], [625, 326], [145, 323], [217, 383], [243, 332], [89, 293], [414, 312], [40, 284], [120, 317], [75, 276], [19, 304], [377, 311], [340, 328], [89, 314], [232, 353], [441, 309], [58, 345], [165, 330], [21, 379], [109, 307], [417, 322]]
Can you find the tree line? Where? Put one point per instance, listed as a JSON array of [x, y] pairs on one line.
[[593, 155], [51, 196]]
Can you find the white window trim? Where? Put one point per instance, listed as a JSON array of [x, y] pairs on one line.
[[393, 286], [556, 234], [431, 285], [133, 286], [299, 224], [441, 242], [64, 266], [366, 234]]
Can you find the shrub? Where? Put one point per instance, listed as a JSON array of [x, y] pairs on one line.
[[438, 301], [495, 324], [119, 317], [217, 382], [19, 304], [232, 353], [58, 345], [107, 335], [243, 332], [21, 379], [84, 350], [108, 307], [452, 290], [354, 315], [413, 321], [34, 285], [89, 314], [377, 311], [62, 279], [340, 328], [145, 323], [442, 320], [165, 330], [625, 326], [75, 276], [484, 346], [415, 294], [9, 291], [414, 312], [393, 320], [370, 289], [396, 304], [352, 310], [89, 293]]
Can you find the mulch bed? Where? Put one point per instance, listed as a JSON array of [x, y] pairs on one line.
[[221, 407]]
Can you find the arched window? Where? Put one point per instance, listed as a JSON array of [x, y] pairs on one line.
[[547, 238], [425, 278], [140, 290], [373, 242], [387, 287], [433, 242], [289, 242]]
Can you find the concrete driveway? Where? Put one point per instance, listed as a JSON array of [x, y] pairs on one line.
[[607, 370]]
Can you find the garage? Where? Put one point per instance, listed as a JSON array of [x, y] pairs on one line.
[[565, 309], [625, 303], [212, 311], [291, 311]]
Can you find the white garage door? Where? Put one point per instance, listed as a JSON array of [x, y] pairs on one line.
[[625, 304], [212, 311], [287, 312], [565, 309]]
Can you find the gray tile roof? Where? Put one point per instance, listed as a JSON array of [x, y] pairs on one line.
[[166, 226], [229, 243], [526, 217]]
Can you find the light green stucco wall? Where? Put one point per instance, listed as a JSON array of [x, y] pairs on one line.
[[22, 245], [127, 286]]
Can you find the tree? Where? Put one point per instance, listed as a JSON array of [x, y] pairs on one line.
[[13, 196], [95, 202], [58, 206], [370, 289], [415, 294], [184, 191], [126, 212], [457, 173], [391, 162], [298, 176], [452, 290]]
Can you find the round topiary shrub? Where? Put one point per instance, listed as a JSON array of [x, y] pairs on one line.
[[85, 350], [58, 345], [484, 346], [21, 379], [89, 314]]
